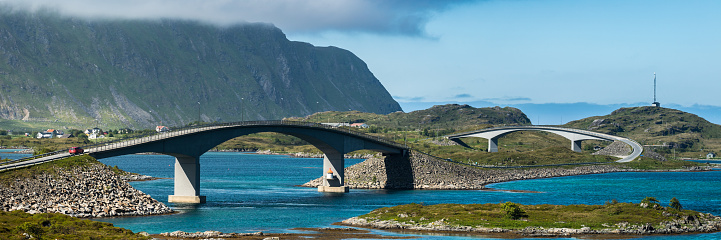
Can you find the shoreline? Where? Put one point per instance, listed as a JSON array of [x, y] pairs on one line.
[[510, 234], [696, 223]]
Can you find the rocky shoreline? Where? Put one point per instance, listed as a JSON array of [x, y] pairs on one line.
[[703, 223], [87, 192], [432, 173]]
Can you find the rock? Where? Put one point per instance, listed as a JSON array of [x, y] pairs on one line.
[[89, 191]]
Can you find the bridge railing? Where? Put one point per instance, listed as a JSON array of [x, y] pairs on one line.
[[178, 131], [595, 134]]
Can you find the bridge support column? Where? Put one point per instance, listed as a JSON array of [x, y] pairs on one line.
[[333, 174], [493, 144], [576, 145], [187, 181]]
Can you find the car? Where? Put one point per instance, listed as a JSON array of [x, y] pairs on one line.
[[76, 150]]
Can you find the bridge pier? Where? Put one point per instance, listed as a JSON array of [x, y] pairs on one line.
[[187, 181], [493, 144], [333, 174], [576, 145]]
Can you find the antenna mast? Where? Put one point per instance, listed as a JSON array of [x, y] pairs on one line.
[[655, 103], [654, 86]]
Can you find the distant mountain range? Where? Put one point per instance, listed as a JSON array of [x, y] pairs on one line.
[[138, 74], [561, 113]]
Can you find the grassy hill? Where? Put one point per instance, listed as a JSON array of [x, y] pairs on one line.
[[687, 134]]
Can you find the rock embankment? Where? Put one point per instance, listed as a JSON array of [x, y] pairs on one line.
[[431, 173], [89, 191], [703, 223], [617, 148]]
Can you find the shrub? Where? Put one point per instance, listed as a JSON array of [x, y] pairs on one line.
[[675, 204], [513, 210]]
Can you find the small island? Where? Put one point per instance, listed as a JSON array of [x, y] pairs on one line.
[[612, 218]]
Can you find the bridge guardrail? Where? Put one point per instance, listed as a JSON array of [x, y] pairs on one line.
[[143, 138]]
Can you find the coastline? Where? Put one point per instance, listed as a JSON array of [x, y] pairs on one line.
[[630, 231], [611, 219]]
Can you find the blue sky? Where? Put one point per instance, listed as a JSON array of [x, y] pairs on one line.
[[515, 52], [512, 52]]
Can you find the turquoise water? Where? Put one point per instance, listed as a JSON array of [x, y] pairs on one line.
[[248, 192]]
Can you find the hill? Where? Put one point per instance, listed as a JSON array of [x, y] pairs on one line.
[[446, 117], [134, 73], [679, 131]]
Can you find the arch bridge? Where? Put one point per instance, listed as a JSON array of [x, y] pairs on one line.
[[187, 144], [575, 135]]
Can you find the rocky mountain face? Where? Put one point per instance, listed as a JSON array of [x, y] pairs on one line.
[[141, 73]]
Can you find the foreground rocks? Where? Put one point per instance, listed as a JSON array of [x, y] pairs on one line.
[[89, 191], [427, 172], [703, 223]]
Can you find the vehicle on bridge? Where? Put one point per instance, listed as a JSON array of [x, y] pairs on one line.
[[76, 150]]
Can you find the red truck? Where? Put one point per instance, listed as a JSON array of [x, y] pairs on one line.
[[76, 150]]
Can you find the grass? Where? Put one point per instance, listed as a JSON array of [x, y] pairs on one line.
[[548, 216], [58, 226], [7, 177]]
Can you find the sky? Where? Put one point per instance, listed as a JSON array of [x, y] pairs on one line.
[[507, 53]]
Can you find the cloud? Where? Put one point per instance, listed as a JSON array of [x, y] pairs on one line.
[[392, 17], [464, 95], [408, 99], [508, 99]]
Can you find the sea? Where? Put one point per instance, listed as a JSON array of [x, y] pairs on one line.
[[250, 192]]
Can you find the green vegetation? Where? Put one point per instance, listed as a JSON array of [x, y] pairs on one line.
[[516, 216], [58, 226], [7, 177], [683, 134], [139, 74], [675, 204]]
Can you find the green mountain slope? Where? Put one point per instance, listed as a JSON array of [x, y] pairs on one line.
[[141, 73], [447, 117], [672, 128]]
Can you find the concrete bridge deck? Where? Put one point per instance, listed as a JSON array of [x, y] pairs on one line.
[[575, 135]]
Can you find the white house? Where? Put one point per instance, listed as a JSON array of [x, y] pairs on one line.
[[93, 130], [95, 135], [710, 155], [45, 134]]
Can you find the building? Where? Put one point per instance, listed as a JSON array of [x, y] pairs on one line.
[[93, 130], [710, 155], [45, 134], [69, 135], [95, 135], [359, 125], [162, 129]]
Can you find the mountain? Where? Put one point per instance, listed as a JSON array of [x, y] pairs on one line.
[[657, 126], [139, 73]]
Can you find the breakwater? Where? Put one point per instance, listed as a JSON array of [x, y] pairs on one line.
[[91, 190], [427, 172]]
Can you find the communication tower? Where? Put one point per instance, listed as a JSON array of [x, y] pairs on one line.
[[655, 103]]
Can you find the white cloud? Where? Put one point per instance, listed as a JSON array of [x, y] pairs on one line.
[[395, 17]]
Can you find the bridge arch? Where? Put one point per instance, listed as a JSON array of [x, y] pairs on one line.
[[575, 135], [187, 146]]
